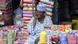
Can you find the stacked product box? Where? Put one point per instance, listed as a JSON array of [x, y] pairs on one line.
[[6, 9], [27, 11], [15, 35], [64, 28], [49, 6], [9, 35]]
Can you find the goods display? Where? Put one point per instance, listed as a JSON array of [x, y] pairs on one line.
[[28, 29]]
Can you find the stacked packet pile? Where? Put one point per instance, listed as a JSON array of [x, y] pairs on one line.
[[12, 35], [64, 28], [62, 38], [49, 5], [6, 8], [27, 12]]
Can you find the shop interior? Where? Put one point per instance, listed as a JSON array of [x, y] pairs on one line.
[[38, 22]]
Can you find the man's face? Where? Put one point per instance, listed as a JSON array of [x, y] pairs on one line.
[[39, 14]]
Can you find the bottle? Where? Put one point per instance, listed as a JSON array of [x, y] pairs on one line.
[[43, 36]]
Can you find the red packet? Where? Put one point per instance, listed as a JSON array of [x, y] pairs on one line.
[[61, 27]]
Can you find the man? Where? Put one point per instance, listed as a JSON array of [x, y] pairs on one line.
[[38, 23], [41, 20]]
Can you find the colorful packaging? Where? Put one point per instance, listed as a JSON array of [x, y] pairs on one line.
[[61, 28], [71, 39], [63, 38], [55, 39], [43, 36], [48, 9], [11, 41], [11, 37], [15, 32], [1, 36], [75, 24], [4, 1], [16, 42], [30, 1], [5, 40], [27, 5], [49, 6], [56, 32], [27, 12], [52, 27], [68, 28], [47, 2], [76, 34], [49, 39], [27, 15], [29, 9], [73, 31], [20, 35]]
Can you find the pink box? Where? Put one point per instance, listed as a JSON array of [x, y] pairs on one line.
[[28, 12], [27, 1]]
